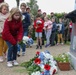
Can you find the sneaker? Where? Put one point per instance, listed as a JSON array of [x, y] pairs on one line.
[[57, 43], [47, 45], [1, 59], [9, 64], [62, 43], [23, 53], [15, 63], [40, 47], [18, 55], [37, 47]]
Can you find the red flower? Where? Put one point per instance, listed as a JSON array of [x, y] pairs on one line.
[[47, 67], [37, 53], [37, 61], [54, 71]]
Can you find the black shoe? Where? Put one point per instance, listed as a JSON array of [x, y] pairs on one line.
[[40, 47], [37, 47], [18, 55]]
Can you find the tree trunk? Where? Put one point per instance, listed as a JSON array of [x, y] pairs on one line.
[[18, 1]]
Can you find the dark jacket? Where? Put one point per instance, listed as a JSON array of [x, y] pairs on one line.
[[26, 21], [54, 28], [60, 28], [13, 31]]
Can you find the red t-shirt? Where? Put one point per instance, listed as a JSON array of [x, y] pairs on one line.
[[40, 26]]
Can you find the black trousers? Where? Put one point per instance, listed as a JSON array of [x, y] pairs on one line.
[[52, 38]]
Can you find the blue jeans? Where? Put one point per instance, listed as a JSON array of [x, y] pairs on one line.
[[25, 33], [30, 42], [12, 52], [23, 46]]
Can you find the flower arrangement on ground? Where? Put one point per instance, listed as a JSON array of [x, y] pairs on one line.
[[63, 58], [63, 62], [42, 64]]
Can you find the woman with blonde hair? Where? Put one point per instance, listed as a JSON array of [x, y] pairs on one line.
[[4, 12], [12, 34]]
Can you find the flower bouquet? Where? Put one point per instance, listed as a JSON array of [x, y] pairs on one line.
[[38, 22], [63, 62], [24, 41], [42, 64]]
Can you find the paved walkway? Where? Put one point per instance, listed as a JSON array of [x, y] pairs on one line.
[[30, 53]]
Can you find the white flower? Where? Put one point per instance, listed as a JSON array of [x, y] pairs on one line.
[[33, 73], [52, 69], [36, 73], [51, 63], [64, 61], [38, 22], [63, 56], [48, 56], [25, 39], [42, 66], [23, 17]]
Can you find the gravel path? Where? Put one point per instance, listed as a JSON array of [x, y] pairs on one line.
[[30, 53]]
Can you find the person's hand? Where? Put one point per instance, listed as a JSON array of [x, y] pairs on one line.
[[37, 26], [18, 42]]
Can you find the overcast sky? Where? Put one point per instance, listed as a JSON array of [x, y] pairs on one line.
[[50, 5]]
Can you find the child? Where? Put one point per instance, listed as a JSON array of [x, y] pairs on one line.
[[26, 18], [60, 28], [3, 15], [12, 34], [53, 35], [48, 30], [25, 23], [38, 25]]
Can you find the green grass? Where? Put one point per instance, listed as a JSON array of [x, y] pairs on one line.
[[68, 43]]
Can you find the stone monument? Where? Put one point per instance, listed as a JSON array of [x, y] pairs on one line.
[[72, 52]]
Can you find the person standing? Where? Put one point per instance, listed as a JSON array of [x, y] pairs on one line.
[[60, 30], [66, 30], [12, 34], [53, 35], [3, 16], [38, 25], [26, 24], [48, 30], [26, 19], [43, 33]]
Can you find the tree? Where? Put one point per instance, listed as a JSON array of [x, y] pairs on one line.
[[33, 6], [18, 1]]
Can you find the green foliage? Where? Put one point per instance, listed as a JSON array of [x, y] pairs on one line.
[[33, 6], [30, 66], [59, 15], [62, 58]]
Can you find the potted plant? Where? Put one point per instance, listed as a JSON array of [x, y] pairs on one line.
[[63, 62]]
